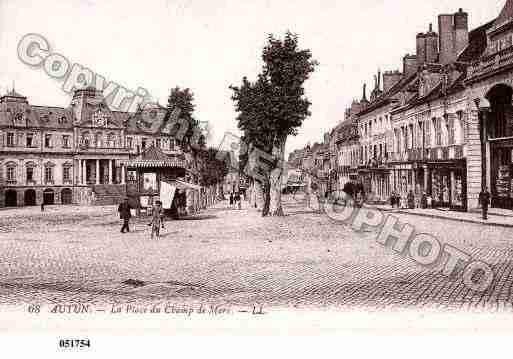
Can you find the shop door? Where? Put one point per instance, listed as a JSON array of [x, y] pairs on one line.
[[441, 188]]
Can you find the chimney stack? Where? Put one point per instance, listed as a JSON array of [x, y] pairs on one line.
[[454, 35], [461, 29], [421, 49], [427, 47], [431, 46], [409, 65], [390, 78]]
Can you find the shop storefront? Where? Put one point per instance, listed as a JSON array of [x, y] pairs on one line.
[[447, 184], [501, 169]]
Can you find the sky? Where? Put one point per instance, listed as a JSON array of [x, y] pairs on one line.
[[209, 45]]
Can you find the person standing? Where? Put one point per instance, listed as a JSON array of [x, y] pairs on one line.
[[237, 200], [156, 220], [484, 201], [124, 214], [231, 199]]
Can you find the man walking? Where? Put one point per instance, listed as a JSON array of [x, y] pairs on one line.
[[124, 214], [484, 201]]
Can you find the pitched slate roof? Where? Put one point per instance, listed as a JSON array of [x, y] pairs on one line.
[[506, 14], [477, 43]]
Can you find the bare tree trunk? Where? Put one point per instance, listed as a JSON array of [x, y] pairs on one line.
[[258, 198], [266, 189], [276, 179]]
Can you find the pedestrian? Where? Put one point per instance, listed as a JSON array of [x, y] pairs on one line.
[[43, 206], [423, 201], [156, 220], [237, 200], [411, 200], [429, 201], [124, 214], [231, 199], [484, 201]]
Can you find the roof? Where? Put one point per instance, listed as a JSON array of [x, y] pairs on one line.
[[476, 44], [505, 15], [154, 157], [37, 116], [153, 153], [387, 97]]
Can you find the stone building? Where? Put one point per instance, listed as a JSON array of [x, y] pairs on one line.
[[74, 154], [346, 148], [450, 117], [489, 86]]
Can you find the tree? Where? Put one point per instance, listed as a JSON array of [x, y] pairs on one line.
[[274, 107], [188, 127], [212, 170]]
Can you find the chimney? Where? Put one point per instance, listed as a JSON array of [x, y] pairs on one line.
[[390, 78], [409, 65], [431, 46], [461, 32], [421, 49], [447, 38]]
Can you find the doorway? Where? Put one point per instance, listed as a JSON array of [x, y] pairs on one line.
[[11, 198], [30, 197], [48, 196]]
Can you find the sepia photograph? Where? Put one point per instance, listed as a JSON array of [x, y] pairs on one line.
[[255, 168]]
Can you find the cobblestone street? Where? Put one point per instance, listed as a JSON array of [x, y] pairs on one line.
[[77, 254]]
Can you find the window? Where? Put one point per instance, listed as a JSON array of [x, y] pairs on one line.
[[48, 174], [157, 142], [438, 131], [11, 174], [450, 131], [48, 140], [30, 139], [427, 134], [10, 139], [66, 173], [143, 144], [98, 140], [110, 140], [85, 139], [65, 141], [129, 142], [30, 174]]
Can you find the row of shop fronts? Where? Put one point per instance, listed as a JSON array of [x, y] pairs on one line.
[[444, 181]]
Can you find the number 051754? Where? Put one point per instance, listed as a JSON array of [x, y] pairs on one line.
[[74, 343]]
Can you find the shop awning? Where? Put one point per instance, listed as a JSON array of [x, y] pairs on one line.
[[154, 163], [185, 185]]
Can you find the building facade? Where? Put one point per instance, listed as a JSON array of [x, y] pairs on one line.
[[72, 155]]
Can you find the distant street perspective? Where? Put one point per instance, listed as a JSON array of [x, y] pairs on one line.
[[236, 258]]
